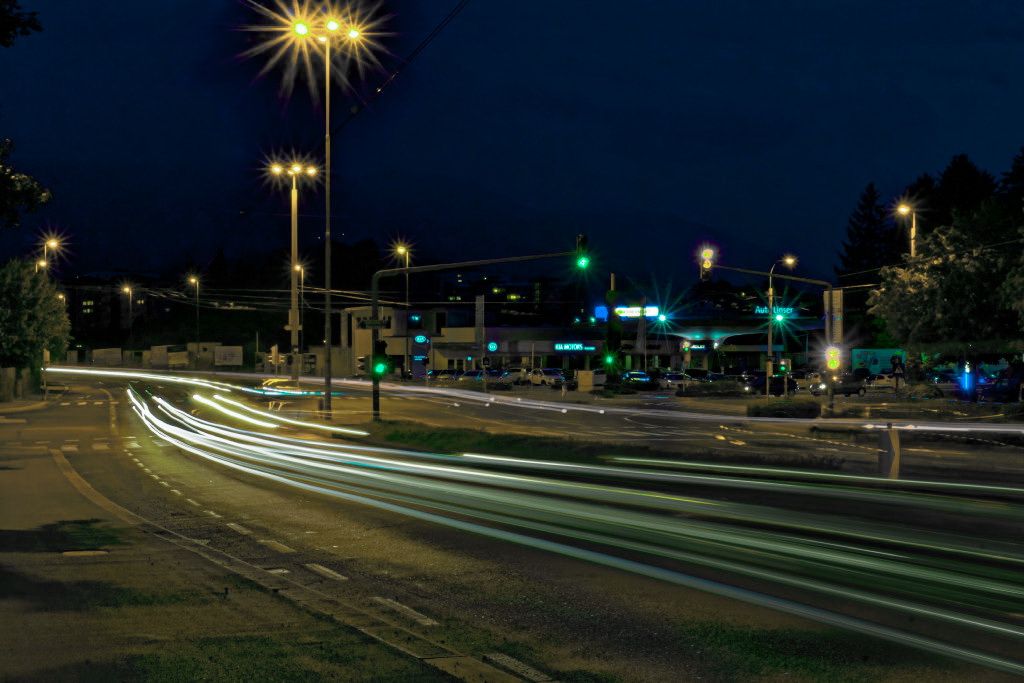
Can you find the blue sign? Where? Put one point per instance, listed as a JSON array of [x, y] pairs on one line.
[[573, 346], [421, 339], [492, 346]]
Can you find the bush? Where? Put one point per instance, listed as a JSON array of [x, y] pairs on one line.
[[795, 408], [711, 389]]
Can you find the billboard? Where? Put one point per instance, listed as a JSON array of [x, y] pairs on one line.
[[875, 360], [227, 355]]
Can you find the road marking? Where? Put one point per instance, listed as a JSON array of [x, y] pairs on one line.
[[177, 492], [191, 502], [100, 446], [324, 571], [155, 476], [163, 483], [212, 513], [421, 619], [65, 403], [279, 547], [237, 527], [82, 403], [161, 444], [69, 448], [97, 403], [132, 444]]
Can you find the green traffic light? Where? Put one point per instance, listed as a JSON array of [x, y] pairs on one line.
[[582, 262], [608, 360], [380, 368]]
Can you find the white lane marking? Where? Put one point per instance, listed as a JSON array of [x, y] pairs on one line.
[[212, 513], [191, 502], [163, 483], [324, 571], [65, 403], [279, 547], [69, 448], [421, 619], [100, 446], [176, 492], [132, 444], [238, 527]]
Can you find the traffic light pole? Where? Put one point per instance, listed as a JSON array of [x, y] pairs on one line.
[[828, 311], [375, 305]]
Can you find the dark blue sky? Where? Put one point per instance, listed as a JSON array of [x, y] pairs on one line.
[[649, 126]]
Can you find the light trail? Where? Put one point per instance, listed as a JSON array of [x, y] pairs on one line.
[[455, 495]]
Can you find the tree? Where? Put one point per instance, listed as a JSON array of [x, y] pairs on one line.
[[18, 192], [32, 318], [15, 22], [949, 299], [961, 189], [871, 240]]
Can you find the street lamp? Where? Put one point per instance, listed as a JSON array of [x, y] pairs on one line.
[[905, 209], [294, 171], [332, 29], [193, 280], [301, 270], [131, 332], [403, 250], [789, 262]]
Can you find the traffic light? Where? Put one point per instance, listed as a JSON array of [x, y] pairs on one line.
[[832, 358], [707, 262], [361, 363], [784, 366], [380, 364], [582, 252]]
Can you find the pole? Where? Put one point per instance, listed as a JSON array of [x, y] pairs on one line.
[[293, 312], [408, 356], [197, 324], [769, 366], [327, 229]]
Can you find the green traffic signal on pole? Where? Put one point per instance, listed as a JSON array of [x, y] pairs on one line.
[[379, 368], [582, 253], [707, 262]]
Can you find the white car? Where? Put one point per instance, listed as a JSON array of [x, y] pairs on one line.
[[674, 380], [543, 376], [881, 381]]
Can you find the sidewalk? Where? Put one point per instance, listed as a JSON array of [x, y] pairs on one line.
[[87, 592]]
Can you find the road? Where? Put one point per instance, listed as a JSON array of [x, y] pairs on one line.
[[819, 547]]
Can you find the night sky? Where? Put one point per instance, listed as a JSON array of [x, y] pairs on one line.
[[650, 126]]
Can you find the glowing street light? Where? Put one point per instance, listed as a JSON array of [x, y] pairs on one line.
[[127, 289], [905, 209], [294, 170], [403, 251], [789, 261], [294, 31], [194, 281]]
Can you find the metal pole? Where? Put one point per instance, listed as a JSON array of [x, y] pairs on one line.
[[771, 320], [327, 229], [913, 234], [408, 355], [293, 312]]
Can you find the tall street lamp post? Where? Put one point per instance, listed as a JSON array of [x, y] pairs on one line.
[[294, 171], [789, 262], [194, 281], [403, 250], [131, 333], [905, 209], [303, 30]]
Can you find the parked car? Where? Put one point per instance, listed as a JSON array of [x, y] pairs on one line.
[[1007, 390], [515, 376], [847, 385], [698, 374], [444, 373], [471, 376], [756, 386], [674, 380], [546, 376], [881, 381], [635, 377]]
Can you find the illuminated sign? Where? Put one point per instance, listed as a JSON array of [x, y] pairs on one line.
[[601, 312], [421, 339], [779, 310], [492, 346], [574, 346]]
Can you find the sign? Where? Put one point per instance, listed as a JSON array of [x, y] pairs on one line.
[[421, 339], [371, 324], [876, 360], [492, 346], [485, 361], [787, 311], [227, 355], [601, 312], [574, 346]]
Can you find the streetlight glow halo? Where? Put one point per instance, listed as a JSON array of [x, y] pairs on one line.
[[295, 30]]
